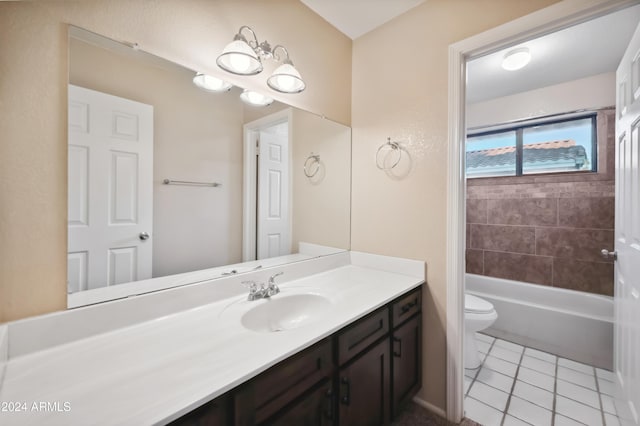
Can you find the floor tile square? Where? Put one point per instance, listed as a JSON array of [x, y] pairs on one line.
[[506, 354], [577, 411], [578, 393], [611, 420], [607, 387], [565, 421], [539, 365], [491, 396], [540, 355], [578, 366], [533, 394], [509, 345], [529, 412], [513, 421], [485, 338], [608, 405], [481, 413], [605, 374], [500, 365], [536, 378], [577, 378], [495, 379]]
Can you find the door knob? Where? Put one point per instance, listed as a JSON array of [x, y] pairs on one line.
[[609, 255], [144, 236]]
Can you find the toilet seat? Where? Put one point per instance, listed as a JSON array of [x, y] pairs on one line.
[[475, 305]]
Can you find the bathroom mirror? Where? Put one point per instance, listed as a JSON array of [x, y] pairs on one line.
[[170, 184]]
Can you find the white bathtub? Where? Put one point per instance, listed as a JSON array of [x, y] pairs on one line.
[[571, 324]]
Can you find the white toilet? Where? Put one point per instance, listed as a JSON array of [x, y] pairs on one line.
[[478, 315]]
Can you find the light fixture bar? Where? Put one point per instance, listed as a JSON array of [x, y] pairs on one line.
[[244, 57]]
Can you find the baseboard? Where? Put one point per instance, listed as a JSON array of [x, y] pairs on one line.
[[435, 410]]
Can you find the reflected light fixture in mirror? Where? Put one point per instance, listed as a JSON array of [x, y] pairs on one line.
[[244, 57], [255, 98], [210, 83], [516, 59]]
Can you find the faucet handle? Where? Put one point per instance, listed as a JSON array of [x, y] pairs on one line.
[[253, 287]]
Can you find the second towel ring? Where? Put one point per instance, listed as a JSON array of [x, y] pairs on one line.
[[309, 170], [392, 146]]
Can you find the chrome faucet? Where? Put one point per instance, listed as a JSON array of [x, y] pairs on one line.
[[272, 288], [263, 292]]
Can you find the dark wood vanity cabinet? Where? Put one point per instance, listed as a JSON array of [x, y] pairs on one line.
[[406, 349], [316, 408], [364, 388], [361, 375], [267, 396], [213, 413], [406, 356]]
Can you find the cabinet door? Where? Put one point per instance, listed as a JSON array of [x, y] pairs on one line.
[[315, 409], [406, 352], [364, 386]]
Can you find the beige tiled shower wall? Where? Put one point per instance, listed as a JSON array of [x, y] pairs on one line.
[[546, 229]]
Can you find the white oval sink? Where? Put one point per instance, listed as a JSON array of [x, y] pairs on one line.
[[281, 312]]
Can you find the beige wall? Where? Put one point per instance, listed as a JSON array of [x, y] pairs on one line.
[[33, 65], [321, 213], [400, 90]]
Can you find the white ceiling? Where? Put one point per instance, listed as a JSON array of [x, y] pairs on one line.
[[357, 17], [591, 48]]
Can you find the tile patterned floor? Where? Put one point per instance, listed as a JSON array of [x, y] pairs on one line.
[[517, 385]]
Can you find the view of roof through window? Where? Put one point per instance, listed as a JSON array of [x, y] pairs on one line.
[[553, 147]]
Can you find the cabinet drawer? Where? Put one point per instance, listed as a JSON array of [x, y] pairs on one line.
[[363, 333], [407, 306], [263, 396]]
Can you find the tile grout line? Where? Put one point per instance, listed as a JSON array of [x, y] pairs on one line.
[[555, 393], [513, 386], [595, 375]]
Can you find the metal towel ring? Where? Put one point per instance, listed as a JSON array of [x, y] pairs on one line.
[[394, 146], [308, 165]]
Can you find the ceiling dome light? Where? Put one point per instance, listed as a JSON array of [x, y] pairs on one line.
[[239, 58], [255, 98], [516, 59], [210, 83], [286, 79]]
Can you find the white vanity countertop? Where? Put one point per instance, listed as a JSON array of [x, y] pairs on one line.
[[155, 371]]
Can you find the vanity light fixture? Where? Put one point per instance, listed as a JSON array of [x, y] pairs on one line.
[[244, 57], [211, 83], [516, 59], [255, 98]]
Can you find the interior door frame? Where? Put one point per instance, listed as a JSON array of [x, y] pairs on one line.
[[553, 18], [249, 186]]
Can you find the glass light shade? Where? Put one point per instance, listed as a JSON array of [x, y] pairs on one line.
[[239, 58], [516, 59], [210, 83], [286, 79], [255, 98]]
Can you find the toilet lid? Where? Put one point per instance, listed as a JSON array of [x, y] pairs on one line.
[[476, 305]]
